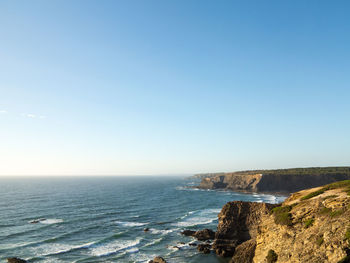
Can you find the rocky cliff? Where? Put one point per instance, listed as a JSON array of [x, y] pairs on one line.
[[310, 226], [283, 180]]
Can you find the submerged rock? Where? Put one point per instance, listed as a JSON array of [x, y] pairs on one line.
[[158, 260], [16, 260], [188, 232]]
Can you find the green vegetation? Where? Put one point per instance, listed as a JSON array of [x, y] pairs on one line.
[[347, 235], [336, 213], [319, 241], [325, 211], [282, 215], [342, 184], [345, 260], [271, 256], [336, 171], [309, 222], [313, 194], [330, 196]]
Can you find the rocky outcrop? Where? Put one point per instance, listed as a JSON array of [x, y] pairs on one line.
[[319, 229], [201, 235], [284, 180], [16, 260], [244, 253], [238, 222], [310, 226]]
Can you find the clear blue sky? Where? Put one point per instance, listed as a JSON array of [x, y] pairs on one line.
[[166, 87]]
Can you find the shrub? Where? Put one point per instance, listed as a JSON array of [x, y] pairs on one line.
[[336, 213], [347, 235], [309, 222], [345, 260], [325, 210], [282, 215], [319, 241], [271, 256], [313, 194]]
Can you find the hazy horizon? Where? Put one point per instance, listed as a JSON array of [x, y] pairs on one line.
[[183, 87]]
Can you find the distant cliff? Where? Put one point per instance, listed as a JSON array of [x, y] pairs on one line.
[[281, 180], [310, 226]]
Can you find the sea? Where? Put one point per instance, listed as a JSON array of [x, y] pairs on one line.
[[102, 219]]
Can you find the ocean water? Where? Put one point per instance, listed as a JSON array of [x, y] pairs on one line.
[[90, 219]]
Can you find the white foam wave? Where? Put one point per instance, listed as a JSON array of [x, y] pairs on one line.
[[130, 224], [200, 217], [184, 188], [57, 248], [51, 221], [113, 247], [161, 232], [156, 241]]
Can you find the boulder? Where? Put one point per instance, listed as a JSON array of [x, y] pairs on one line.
[[204, 248], [205, 234], [188, 232], [202, 235]]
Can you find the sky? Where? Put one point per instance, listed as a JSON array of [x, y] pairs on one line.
[[139, 87]]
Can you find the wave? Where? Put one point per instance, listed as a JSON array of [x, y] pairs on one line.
[[130, 224], [162, 232], [186, 188], [51, 221], [45, 250], [200, 217], [113, 247], [156, 241]]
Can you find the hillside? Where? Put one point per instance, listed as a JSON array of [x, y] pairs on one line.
[[280, 180], [310, 226]]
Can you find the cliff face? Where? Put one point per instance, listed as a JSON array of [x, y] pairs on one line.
[[238, 222], [310, 226], [287, 180]]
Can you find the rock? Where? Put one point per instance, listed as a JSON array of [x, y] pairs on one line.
[[188, 233], [205, 234], [238, 222], [244, 253], [204, 248], [16, 260], [35, 221], [158, 260], [146, 229], [225, 248], [192, 244], [202, 235]]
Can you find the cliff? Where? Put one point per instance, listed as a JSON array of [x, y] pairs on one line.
[[282, 180], [310, 226]]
